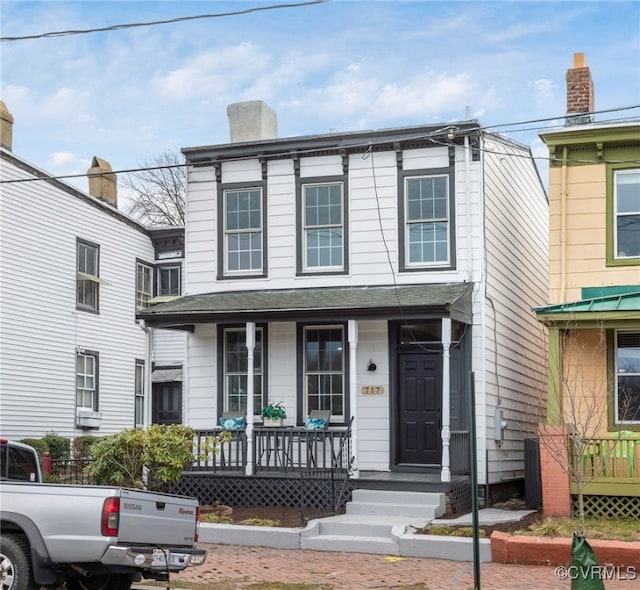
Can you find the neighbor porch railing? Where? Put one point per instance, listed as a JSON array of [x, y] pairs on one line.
[[288, 449], [610, 465]]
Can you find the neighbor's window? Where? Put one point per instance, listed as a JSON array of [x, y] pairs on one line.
[[87, 380], [236, 370], [628, 378], [169, 280], [323, 226], [324, 369], [427, 222], [243, 231], [626, 188], [139, 394], [87, 276], [144, 284]]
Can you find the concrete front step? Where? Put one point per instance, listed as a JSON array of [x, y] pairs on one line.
[[423, 505], [348, 543]]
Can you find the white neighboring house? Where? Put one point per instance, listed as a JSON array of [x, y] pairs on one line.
[[73, 270], [373, 270]]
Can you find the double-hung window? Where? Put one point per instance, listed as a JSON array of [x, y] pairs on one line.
[[626, 198], [243, 231], [87, 380], [427, 224], [323, 227], [324, 373], [168, 280], [139, 394], [627, 390], [235, 363], [144, 284], [87, 276]]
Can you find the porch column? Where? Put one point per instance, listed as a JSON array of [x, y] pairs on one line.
[[251, 344], [353, 392], [445, 474]]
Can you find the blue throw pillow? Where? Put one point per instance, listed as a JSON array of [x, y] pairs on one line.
[[232, 423], [315, 423]]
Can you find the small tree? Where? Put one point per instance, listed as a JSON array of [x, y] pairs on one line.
[[582, 387], [151, 458], [158, 190]]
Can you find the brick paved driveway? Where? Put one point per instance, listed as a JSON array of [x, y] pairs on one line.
[[240, 566]]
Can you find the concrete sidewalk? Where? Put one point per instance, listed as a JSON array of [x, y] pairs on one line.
[[230, 567]]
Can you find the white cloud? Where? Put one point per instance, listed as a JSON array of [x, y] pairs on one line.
[[61, 158], [543, 87]]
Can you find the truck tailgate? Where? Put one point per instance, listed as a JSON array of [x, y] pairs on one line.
[[147, 515]]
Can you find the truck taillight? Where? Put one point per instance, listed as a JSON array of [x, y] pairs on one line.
[[198, 519], [110, 517]]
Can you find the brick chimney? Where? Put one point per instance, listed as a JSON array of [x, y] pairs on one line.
[[103, 184], [6, 127], [580, 101], [252, 120]]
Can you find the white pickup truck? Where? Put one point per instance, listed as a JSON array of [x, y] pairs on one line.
[[87, 537]]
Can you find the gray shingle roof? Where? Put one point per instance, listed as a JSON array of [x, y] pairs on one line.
[[312, 303]]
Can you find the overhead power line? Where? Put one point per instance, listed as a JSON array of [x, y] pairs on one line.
[[160, 22], [450, 128]]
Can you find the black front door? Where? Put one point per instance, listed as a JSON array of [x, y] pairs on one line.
[[166, 403], [419, 409]]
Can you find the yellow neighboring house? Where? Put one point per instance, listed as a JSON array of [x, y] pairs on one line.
[[593, 313]]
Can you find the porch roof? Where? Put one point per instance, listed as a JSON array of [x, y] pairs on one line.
[[327, 303], [616, 306]]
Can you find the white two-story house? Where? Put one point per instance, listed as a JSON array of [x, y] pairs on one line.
[[74, 269], [368, 274]]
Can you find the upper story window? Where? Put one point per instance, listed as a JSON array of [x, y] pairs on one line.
[[169, 282], [627, 392], [427, 221], [323, 227], [626, 198], [144, 284], [87, 380], [243, 231], [87, 276]]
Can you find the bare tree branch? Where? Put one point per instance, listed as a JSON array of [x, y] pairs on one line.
[[159, 190]]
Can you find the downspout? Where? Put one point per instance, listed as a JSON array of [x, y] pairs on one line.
[[251, 344], [563, 226], [148, 339], [353, 394]]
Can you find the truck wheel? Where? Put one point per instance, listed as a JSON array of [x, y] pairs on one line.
[[15, 564], [100, 582]]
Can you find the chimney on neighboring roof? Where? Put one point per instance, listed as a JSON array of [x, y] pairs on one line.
[[6, 127], [103, 184], [580, 101], [251, 120]]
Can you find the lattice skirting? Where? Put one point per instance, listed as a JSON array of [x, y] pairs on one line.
[[459, 497], [241, 491], [609, 506]]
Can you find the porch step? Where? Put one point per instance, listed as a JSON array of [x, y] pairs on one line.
[[410, 505]]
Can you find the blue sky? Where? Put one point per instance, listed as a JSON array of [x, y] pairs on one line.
[[131, 94]]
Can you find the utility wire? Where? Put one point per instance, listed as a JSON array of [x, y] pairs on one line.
[[160, 22], [368, 145]]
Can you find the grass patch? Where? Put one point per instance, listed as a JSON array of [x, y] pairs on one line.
[[452, 531], [612, 529], [260, 522], [215, 518]]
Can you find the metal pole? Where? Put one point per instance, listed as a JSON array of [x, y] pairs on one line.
[[474, 481]]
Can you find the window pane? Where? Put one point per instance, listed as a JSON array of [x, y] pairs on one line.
[[629, 399], [628, 235], [628, 368], [628, 191], [324, 369], [236, 370], [169, 280]]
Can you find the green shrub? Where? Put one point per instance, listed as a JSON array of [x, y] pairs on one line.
[[151, 458], [82, 446], [38, 444], [59, 446]]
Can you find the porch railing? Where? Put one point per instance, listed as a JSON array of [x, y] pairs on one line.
[[289, 449], [460, 453], [610, 465]]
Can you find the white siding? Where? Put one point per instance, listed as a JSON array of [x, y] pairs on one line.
[[40, 326], [516, 276]]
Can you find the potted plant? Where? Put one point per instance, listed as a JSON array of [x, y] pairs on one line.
[[273, 414]]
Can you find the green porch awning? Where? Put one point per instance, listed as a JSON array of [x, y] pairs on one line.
[[322, 304], [613, 307]]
